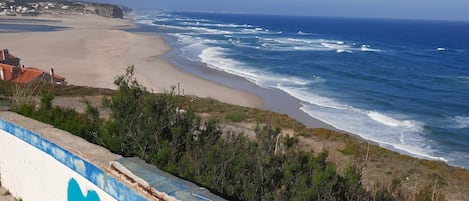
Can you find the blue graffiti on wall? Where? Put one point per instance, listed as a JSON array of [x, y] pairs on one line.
[[75, 193]]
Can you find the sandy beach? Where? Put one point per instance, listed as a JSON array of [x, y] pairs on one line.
[[92, 50]]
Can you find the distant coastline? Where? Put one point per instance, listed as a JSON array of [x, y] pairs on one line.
[[60, 7]]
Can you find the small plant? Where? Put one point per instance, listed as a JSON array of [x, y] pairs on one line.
[[23, 94], [395, 183], [431, 164], [236, 116], [350, 148]]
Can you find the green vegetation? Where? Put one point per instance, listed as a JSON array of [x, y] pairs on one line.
[[165, 130], [236, 116], [66, 119]]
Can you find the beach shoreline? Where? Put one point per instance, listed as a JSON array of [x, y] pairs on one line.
[[115, 44], [88, 41], [112, 45], [93, 50]]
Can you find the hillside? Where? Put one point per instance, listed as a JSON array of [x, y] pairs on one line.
[[54, 7], [392, 174]]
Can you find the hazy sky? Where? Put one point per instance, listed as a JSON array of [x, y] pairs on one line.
[[411, 9]]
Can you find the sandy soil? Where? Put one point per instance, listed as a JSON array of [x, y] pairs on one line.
[[93, 50]]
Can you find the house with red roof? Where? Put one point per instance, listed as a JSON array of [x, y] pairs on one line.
[[26, 75], [10, 70]]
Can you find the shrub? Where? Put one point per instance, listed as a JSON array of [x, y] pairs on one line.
[[236, 116]]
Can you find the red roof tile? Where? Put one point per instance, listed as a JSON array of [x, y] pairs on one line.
[[28, 75]]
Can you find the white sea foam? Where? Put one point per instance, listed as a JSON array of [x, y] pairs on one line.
[[415, 150], [367, 48], [304, 95], [343, 50], [463, 79], [215, 58], [291, 44], [339, 47], [304, 34], [187, 39], [203, 30], [461, 122], [145, 22], [398, 134], [265, 36], [441, 49], [386, 120], [390, 121], [311, 44], [185, 19], [403, 137], [191, 23], [304, 48]]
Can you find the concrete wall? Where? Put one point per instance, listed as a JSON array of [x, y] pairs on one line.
[[39, 162]]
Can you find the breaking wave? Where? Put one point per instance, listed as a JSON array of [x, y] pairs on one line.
[[265, 55]]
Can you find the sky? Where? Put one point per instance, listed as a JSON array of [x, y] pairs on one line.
[[401, 9]]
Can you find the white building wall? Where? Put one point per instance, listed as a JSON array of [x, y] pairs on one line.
[[34, 168], [32, 174]]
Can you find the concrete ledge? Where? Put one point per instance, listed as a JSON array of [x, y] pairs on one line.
[[158, 184], [82, 158], [94, 154], [123, 178]]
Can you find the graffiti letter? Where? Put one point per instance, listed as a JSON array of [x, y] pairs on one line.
[[75, 193]]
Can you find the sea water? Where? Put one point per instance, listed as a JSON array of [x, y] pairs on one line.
[[401, 83], [18, 25]]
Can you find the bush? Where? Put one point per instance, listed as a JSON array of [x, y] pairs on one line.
[[160, 131], [236, 116]]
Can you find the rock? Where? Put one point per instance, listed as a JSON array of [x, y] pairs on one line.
[[107, 10]]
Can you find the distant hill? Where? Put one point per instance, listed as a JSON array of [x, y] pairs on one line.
[[38, 7]]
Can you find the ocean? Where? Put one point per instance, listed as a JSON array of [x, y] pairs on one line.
[[401, 83]]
